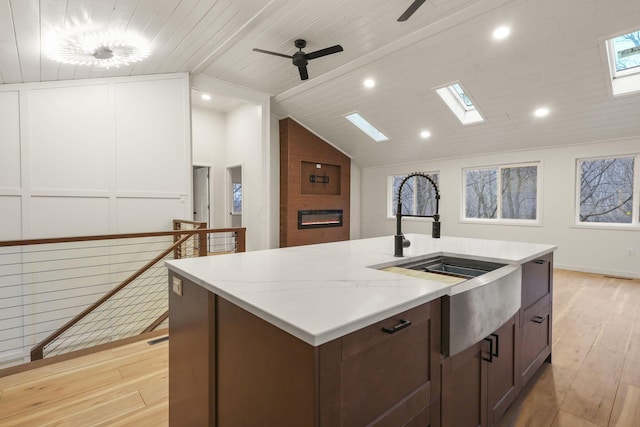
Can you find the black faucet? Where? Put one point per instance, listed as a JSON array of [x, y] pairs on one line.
[[400, 241]]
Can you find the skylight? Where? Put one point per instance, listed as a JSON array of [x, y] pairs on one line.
[[366, 127], [460, 103], [623, 53], [464, 99]]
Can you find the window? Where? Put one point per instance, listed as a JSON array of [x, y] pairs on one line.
[[501, 193], [623, 53], [237, 198], [418, 195], [606, 190]]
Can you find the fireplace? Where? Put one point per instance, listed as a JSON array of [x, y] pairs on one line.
[[319, 218]]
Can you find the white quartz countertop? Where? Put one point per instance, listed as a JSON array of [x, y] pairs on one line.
[[321, 292]]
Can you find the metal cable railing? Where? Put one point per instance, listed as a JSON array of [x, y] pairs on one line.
[[46, 285]]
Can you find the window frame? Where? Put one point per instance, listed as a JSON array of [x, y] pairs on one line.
[[391, 205], [635, 191], [624, 82], [537, 222]]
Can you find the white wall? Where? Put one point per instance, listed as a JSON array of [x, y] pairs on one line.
[[354, 231], [600, 250], [244, 148], [208, 129], [247, 131], [84, 157], [94, 156], [275, 182]]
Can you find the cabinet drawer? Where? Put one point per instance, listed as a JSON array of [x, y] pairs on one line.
[[536, 337], [536, 279], [387, 372]]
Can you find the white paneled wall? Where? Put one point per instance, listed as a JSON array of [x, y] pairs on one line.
[[94, 156], [101, 156]]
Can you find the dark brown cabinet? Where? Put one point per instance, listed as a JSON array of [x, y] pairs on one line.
[[229, 367], [503, 369], [536, 315], [479, 384]]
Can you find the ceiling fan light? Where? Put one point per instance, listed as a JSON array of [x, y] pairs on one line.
[[92, 48]]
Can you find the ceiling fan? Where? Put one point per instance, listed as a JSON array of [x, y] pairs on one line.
[[411, 10], [301, 59]]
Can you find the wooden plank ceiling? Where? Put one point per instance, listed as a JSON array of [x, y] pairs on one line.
[[553, 58]]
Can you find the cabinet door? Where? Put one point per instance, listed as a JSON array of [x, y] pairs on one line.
[[536, 338], [502, 371], [386, 373], [464, 384], [537, 279]]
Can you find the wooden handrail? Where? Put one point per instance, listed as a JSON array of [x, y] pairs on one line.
[[177, 222], [37, 352], [27, 242]]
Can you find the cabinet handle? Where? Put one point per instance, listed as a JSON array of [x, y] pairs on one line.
[[400, 326], [497, 337], [538, 319], [490, 358], [540, 261]]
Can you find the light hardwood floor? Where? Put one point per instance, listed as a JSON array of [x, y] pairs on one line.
[[125, 386], [594, 379]]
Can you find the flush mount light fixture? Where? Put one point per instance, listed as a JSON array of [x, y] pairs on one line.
[[425, 134], [501, 33], [205, 96], [541, 112], [369, 83], [92, 48]]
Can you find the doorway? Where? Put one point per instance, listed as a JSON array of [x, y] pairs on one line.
[[235, 196], [201, 194]]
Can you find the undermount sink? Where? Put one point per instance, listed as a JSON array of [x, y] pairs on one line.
[[452, 266], [484, 295]]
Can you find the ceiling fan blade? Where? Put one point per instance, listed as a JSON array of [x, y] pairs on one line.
[[411, 10], [272, 53], [324, 52], [303, 73]]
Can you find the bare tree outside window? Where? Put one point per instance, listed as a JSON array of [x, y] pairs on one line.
[[519, 192], [418, 195], [237, 198], [627, 54], [481, 199], [502, 192], [606, 190]]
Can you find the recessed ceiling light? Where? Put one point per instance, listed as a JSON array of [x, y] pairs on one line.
[[369, 83], [501, 33], [541, 112], [205, 96], [425, 134]]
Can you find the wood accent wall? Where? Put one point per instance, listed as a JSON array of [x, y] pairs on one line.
[[298, 146]]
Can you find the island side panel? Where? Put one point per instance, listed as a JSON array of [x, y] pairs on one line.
[[266, 377], [191, 356]]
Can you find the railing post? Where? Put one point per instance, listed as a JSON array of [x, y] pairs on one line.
[[177, 253], [240, 240], [37, 353], [202, 243]]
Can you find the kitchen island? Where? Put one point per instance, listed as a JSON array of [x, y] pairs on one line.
[[293, 336]]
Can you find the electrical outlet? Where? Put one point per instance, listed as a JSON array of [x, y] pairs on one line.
[[631, 252], [177, 286]]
